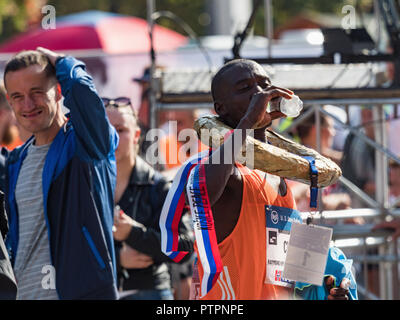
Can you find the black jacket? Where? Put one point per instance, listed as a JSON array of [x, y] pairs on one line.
[[3, 170], [143, 200], [8, 286]]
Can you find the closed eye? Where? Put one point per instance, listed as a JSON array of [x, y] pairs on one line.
[[265, 84], [244, 86], [37, 91], [16, 97]]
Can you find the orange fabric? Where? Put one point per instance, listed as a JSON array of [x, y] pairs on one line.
[[243, 252], [15, 143], [170, 149]]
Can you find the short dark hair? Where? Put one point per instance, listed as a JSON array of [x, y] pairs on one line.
[[25, 59], [304, 128], [220, 73]]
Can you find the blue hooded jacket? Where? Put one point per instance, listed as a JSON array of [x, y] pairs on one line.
[[79, 177], [338, 266]]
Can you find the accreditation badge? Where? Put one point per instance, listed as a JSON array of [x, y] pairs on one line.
[[279, 222], [307, 253]]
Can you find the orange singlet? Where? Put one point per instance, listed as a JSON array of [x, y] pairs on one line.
[[243, 252]]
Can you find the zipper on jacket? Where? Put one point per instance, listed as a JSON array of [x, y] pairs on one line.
[[93, 247]]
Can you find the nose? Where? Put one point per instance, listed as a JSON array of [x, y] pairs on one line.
[[28, 104]]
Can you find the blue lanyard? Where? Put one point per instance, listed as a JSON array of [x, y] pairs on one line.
[[314, 182]]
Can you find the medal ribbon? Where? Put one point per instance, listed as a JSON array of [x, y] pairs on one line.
[[204, 228], [192, 174]]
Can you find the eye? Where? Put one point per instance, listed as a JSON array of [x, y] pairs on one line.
[[244, 87], [17, 97], [265, 85], [121, 129], [37, 92]]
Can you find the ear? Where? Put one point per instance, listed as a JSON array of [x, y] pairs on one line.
[[220, 108], [313, 133], [58, 92], [9, 101], [137, 136]]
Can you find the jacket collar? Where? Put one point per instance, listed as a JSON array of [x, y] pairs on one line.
[[142, 173]]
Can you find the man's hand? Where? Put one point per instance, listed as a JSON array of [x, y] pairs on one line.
[[133, 259], [51, 55], [256, 113], [340, 293], [393, 225]]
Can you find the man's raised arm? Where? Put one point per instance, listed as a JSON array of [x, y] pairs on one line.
[[95, 134], [221, 163]]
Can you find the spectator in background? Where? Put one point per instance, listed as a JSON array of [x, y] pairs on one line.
[[3, 169], [394, 116], [143, 113], [394, 183], [176, 146], [140, 193], [394, 129], [9, 133], [393, 225], [358, 162], [306, 131], [181, 273], [4, 118], [8, 286], [144, 109]]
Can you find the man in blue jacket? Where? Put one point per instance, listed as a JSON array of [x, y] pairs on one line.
[[60, 183]]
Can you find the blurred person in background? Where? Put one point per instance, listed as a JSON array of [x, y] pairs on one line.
[[5, 111], [306, 131], [143, 272], [176, 146], [394, 197], [394, 183], [8, 285], [358, 166], [9, 131], [358, 162], [143, 112], [168, 150]]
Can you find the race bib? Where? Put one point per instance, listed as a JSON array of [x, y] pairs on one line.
[[279, 223]]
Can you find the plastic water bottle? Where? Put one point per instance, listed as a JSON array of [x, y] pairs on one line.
[[291, 107]]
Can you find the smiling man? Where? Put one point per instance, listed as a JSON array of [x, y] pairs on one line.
[[60, 182]]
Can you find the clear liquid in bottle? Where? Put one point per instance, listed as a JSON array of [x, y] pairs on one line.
[[291, 107]]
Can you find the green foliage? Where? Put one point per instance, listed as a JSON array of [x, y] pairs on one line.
[[12, 18], [284, 10], [188, 10]]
